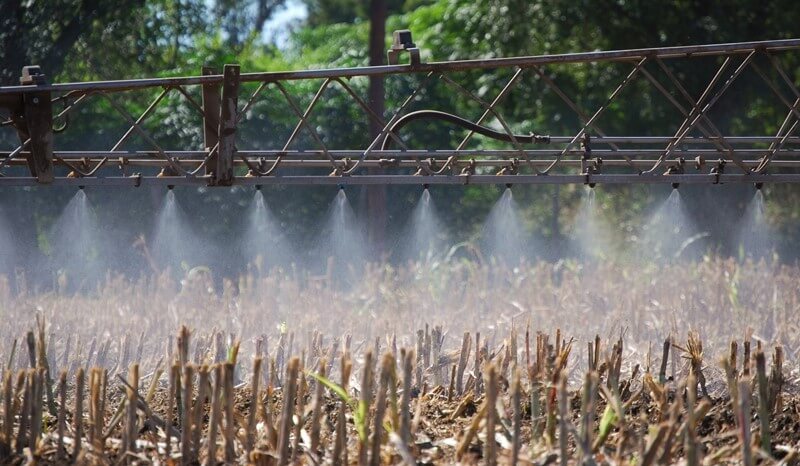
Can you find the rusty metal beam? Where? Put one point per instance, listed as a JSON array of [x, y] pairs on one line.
[[37, 125], [211, 112], [414, 180], [223, 173], [435, 67]]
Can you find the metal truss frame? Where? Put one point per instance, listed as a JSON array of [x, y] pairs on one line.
[[695, 151]]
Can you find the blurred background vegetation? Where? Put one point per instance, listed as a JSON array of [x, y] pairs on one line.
[[81, 40]]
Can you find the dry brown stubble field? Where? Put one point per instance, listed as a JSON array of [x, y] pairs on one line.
[[430, 363]]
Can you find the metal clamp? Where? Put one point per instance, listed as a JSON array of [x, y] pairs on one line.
[[402, 42]]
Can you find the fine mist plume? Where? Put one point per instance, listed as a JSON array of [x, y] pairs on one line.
[[424, 237], [591, 238], [175, 246], [8, 256], [503, 237], [668, 233], [341, 248], [264, 243], [78, 252], [756, 239]]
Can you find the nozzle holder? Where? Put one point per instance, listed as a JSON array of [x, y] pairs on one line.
[[677, 169], [718, 170]]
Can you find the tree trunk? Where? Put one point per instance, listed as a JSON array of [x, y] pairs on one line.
[[376, 195]]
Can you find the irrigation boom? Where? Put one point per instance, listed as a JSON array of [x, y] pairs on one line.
[[216, 106]]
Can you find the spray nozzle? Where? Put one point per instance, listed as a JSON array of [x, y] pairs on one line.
[[677, 169], [759, 186], [509, 185], [341, 187], [170, 187], [81, 187], [425, 186], [258, 187]]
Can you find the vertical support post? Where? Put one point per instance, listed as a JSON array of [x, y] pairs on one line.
[[227, 125], [37, 116], [211, 112]]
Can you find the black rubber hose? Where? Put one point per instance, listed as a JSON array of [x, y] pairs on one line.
[[450, 118]]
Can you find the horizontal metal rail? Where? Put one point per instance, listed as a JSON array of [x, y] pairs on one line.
[[435, 67], [170, 181], [409, 160]]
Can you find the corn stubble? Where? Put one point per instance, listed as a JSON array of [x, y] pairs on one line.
[[501, 396]]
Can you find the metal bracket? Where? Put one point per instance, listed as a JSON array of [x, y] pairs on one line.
[[402, 42], [211, 112], [37, 125], [227, 125]]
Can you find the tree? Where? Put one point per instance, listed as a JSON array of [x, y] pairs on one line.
[[45, 33], [376, 195], [242, 20]]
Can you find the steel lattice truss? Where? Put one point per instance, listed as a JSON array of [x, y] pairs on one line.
[[693, 150]]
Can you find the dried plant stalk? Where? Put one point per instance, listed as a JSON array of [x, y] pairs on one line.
[[340, 445], [300, 409], [216, 417], [290, 387], [380, 409], [199, 411], [492, 388], [316, 414], [743, 414], [78, 415], [8, 408], [563, 411], [251, 415], [691, 447], [132, 432], [516, 423], [462, 362], [62, 414], [173, 380], [364, 403], [764, 406], [187, 450], [229, 433]]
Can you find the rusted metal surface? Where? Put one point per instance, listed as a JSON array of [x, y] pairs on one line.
[[695, 150], [35, 126], [211, 112]]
